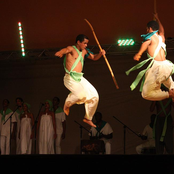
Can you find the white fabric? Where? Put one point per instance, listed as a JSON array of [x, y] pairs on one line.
[[106, 130], [18, 141], [5, 134], [5, 130], [81, 92], [25, 134], [159, 73], [59, 117], [58, 141], [46, 133], [5, 145], [148, 131]]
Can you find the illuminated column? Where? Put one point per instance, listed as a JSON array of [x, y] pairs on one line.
[[21, 39]]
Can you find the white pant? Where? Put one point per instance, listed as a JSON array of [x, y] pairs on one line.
[[81, 92], [158, 74], [5, 145], [58, 141], [107, 148], [147, 144]]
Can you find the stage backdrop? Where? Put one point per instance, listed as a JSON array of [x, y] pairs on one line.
[[36, 81]]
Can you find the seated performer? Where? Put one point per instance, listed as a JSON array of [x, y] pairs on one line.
[[81, 90], [102, 131], [159, 70], [147, 135], [46, 127], [26, 133]]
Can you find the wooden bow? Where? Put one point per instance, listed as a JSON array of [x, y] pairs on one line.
[[112, 74]]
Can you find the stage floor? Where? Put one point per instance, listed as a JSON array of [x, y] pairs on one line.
[[123, 163]]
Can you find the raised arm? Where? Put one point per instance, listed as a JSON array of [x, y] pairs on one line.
[[64, 51], [161, 28]]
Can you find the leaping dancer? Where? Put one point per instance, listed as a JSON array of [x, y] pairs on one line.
[[82, 92], [159, 70]]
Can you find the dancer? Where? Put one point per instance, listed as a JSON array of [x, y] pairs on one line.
[[26, 133], [159, 70], [81, 90]]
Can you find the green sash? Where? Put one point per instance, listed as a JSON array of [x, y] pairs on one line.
[[58, 110], [20, 112], [75, 75], [100, 128], [6, 113]]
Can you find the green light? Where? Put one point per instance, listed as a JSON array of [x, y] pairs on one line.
[[125, 42], [21, 38]]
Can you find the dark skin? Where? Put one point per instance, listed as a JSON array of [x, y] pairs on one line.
[[99, 120], [47, 110], [55, 107]]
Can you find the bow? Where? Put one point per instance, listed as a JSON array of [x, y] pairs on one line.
[[112, 74]]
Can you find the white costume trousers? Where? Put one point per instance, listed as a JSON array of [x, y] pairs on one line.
[[58, 141], [158, 74], [25, 133], [81, 92], [5, 145]]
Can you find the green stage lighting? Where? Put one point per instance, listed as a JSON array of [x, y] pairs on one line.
[[125, 42], [21, 38]]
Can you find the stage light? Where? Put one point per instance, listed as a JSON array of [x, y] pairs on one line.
[[21, 38], [125, 42]]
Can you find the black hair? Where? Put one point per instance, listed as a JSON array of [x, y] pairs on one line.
[[19, 98], [99, 114], [7, 101], [57, 98], [153, 24], [81, 38]]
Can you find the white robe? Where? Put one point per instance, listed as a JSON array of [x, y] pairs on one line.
[[25, 133], [46, 135]]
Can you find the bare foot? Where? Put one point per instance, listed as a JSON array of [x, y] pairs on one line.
[[66, 110], [171, 94], [89, 122]]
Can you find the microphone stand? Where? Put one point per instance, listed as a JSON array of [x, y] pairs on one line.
[[10, 117], [81, 128], [35, 126], [124, 132]]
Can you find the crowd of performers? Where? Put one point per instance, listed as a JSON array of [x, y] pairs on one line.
[[157, 73], [50, 128]]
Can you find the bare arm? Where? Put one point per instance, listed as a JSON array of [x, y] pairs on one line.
[[96, 56], [143, 48], [161, 28], [64, 51]]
